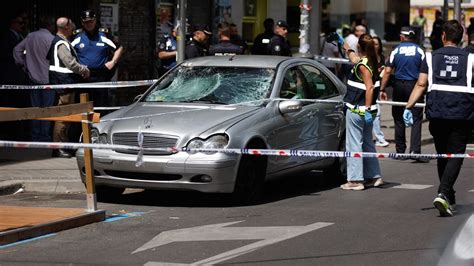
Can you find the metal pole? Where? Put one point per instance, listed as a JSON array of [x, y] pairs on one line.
[[181, 38], [305, 7], [457, 10], [445, 10]]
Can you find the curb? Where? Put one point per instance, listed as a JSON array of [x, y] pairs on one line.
[[10, 186]]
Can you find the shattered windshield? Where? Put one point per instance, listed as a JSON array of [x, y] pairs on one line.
[[219, 85]]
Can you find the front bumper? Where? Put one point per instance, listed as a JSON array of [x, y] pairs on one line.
[[180, 171]]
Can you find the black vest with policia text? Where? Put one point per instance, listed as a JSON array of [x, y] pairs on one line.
[[450, 89], [58, 73]]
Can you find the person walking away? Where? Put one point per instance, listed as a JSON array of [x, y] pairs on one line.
[[360, 99], [225, 47], [447, 72], [279, 44], [260, 43], [435, 37], [378, 133], [30, 54], [96, 49], [419, 23], [64, 69], [167, 51], [405, 60], [198, 45]]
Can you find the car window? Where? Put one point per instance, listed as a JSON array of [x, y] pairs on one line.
[[293, 85], [222, 85], [319, 85]]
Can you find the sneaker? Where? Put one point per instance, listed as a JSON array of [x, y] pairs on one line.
[[374, 182], [353, 186], [443, 206], [382, 144]]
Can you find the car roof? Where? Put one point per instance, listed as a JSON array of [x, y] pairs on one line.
[[257, 61]]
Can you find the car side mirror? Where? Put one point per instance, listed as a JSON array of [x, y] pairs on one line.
[[137, 98], [290, 106]]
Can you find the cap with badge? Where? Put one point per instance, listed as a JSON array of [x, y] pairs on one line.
[[282, 24], [202, 27], [407, 31], [87, 15]]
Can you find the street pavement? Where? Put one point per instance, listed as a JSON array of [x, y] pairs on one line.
[[36, 170]]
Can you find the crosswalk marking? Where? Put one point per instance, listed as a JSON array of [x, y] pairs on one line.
[[412, 186]]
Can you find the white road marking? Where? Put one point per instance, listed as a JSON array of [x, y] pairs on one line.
[[267, 235], [472, 190], [412, 186]]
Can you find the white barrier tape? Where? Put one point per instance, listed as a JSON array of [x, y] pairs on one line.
[[333, 60], [93, 85], [257, 152], [400, 103]]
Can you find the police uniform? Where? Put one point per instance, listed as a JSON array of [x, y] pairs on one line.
[[358, 133], [167, 44], [225, 48], [279, 45], [406, 58], [260, 44], [195, 49], [450, 109]]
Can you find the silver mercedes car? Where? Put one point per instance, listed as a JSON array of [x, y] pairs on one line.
[[261, 102]]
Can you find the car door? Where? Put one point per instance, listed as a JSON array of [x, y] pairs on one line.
[[329, 108], [294, 130]]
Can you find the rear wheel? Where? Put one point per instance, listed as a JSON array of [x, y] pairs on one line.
[[250, 179], [108, 193]]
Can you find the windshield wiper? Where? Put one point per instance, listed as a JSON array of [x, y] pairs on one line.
[[206, 100]]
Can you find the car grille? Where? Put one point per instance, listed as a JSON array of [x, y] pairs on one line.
[[143, 176], [150, 140]]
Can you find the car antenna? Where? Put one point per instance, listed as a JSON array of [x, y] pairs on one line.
[[232, 57]]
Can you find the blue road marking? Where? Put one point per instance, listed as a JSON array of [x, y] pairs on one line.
[[26, 241], [117, 217]]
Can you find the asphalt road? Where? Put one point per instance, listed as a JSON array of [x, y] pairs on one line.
[[302, 220]]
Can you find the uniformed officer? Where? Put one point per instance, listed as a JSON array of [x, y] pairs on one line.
[[449, 107], [260, 43], [279, 45], [225, 47], [198, 45], [167, 47], [406, 59], [97, 50]]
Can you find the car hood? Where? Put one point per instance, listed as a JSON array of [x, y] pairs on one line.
[[178, 119]]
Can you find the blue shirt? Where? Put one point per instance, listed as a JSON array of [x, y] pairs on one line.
[[406, 58], [94, 51], [168, 44]]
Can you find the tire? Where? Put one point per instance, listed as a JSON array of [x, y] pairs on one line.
[[337, 172], [250, 179], [108, 193]]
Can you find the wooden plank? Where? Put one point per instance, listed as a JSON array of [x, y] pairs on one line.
[[88, 160], [16, 114], [72, 118]]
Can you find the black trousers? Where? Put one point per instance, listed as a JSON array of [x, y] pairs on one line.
[[450, 136], [401, 93]]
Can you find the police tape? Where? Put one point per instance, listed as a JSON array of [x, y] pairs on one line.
[[255, 152], [92, 85]]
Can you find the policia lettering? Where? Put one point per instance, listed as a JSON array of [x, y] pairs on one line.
[[355, 96]]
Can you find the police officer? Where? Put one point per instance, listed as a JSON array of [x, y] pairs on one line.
[[198, 45], [64, 69], [260, 43], [225, 47], [406, 59], [449, 107], [279, 45], [167, 47], [96, 49]]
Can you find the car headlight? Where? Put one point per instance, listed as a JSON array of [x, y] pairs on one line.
[[97, 138], [214, 142]]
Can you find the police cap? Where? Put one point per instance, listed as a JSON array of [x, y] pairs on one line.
[[202, 27], [282, 24], [407, 31], [87, 15]]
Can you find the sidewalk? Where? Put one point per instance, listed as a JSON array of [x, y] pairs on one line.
[[35, 170]]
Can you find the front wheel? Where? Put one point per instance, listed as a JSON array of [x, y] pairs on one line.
[[337, 172], [250, 179]]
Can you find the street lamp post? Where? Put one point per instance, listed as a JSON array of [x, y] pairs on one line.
[[181, 31], [457, 10], [304, 28]]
